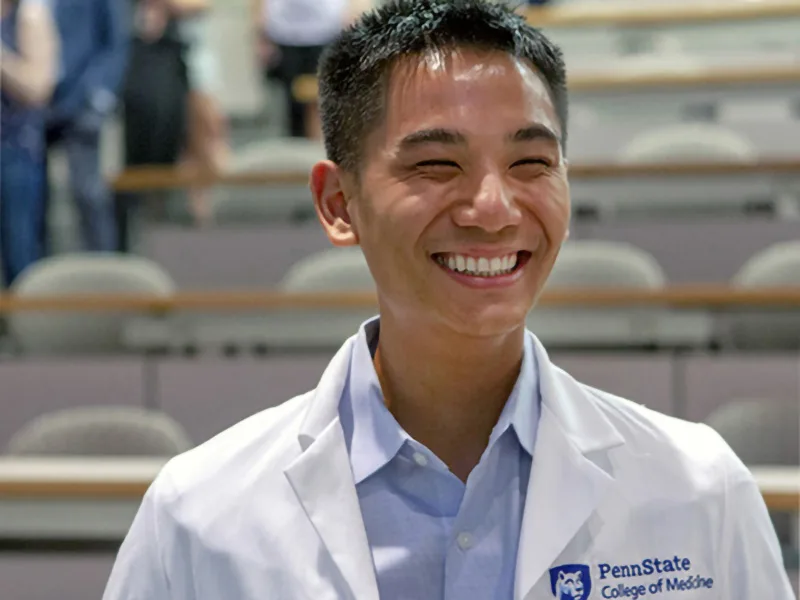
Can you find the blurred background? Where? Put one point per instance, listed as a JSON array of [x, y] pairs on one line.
[[163, 274]]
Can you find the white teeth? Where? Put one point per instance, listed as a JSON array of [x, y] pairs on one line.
[[484, 267]]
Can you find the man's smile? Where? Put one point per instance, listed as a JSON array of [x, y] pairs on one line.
[[483, 270]]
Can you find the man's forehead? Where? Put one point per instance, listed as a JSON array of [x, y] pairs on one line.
[[448, 85], [438, 67]]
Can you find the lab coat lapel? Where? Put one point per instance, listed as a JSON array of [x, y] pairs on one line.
[[566, 485], [323, 482]]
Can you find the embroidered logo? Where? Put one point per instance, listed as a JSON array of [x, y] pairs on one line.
[[571, 582]]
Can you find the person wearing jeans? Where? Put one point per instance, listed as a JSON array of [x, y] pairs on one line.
[[94, 37], [28, 73]]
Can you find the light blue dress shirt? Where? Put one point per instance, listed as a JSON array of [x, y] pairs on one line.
[[433, 537]]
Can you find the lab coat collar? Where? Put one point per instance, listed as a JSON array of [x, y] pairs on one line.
[[572, 406], [568, 476], [319, 477], [324, 406]]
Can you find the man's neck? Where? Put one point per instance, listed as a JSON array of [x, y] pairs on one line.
[[447, 390]]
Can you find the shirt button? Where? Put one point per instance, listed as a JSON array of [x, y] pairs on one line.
[[420, 459], [465, 540]]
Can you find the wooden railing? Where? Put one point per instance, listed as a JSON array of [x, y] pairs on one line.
[[634, 14], [59, 479], [77, 489], [157, 178], [305, 88], [700, 75], [679, 296]]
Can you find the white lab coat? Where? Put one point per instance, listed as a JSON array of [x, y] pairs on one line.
[[267, 510]]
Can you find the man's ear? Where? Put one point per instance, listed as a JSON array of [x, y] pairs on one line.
[[330, 191]]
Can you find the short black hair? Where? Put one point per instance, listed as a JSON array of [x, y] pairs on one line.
[[355, 68]]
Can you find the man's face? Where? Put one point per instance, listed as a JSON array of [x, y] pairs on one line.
[[463, 200]]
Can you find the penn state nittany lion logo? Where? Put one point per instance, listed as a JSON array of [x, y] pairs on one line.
[[571, 582]]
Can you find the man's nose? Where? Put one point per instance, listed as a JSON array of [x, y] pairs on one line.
[[492, 207]]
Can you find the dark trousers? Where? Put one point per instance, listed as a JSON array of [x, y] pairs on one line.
[[295, 61], [22, 203], [154, 120]]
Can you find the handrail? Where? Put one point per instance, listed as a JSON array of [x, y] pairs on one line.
[[117, 490], [777, 494], [679, 296], [305, 87], [632, 14], [699, 75], [159, 178], [783, 501]]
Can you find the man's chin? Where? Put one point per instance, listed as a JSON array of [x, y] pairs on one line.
[[490, 321]]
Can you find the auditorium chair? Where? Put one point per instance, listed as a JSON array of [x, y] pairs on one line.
[[688, 142], [778, 329], [279, 202], [100, 431], [95, 332], [764, 432], [335, 269], [663, 193], [596, 264], [332, 270]]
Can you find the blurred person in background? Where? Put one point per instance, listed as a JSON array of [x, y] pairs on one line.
[[94, 45], [154, 99], [29, 67], [206, 149], [171, 116], [290, 37]]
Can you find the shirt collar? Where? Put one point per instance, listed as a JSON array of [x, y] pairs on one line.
[[521, 412], [373, 435]]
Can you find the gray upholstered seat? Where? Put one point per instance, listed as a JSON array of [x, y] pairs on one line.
[[336, 269], [333, 270], [778, 329], [603, 265], [685, 142], [274, 202], [101, 431], [653, 196], [78, 274], [762, 432]]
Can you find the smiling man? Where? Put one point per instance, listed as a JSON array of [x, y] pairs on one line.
[[442, 455]]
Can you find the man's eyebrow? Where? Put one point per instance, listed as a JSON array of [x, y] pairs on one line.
[[535, 132], [432, 136]]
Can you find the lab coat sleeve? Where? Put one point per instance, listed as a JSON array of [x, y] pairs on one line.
[[138, 572], [751, 565]]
